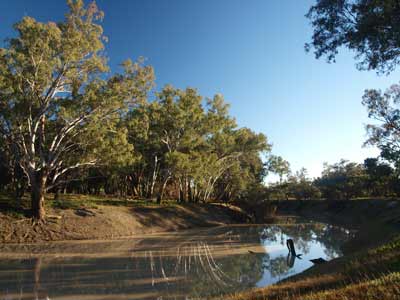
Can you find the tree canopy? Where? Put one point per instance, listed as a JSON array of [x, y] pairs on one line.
[[370, 28], [384, 132]]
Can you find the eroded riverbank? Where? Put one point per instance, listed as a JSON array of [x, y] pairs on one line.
[[111, 222]]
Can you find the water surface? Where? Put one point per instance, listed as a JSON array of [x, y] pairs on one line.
[[195, 264]]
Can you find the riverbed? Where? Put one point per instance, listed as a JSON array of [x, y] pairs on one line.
[[192, 264]]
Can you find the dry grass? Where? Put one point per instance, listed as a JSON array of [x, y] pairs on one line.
[[386, 287], [366, 275], [75, 201]]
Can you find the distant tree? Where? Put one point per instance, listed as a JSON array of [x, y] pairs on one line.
[[339, 181], [301, 187], [279, 166], [371, 28], [342, 180], [381, 177]]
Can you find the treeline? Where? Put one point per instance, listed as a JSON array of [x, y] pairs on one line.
[[180, 145], [182, 149], [340, 181]]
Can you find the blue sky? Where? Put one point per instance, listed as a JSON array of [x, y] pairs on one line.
[[250, 51]]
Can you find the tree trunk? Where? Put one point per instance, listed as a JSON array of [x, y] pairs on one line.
[[38, 185], [181, 191], [57, 193], [161, 192], [189, 189], [181, 196], [154, 178]]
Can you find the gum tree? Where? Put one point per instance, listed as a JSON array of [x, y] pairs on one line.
[[370, 28], [56, 107]]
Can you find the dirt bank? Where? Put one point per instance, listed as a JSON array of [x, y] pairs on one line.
[[108, 222], [352, 212]]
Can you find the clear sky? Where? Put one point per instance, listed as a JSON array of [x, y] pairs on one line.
[[250, 51]]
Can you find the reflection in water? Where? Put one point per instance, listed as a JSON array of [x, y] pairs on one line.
[[187, 265], [290, 260]]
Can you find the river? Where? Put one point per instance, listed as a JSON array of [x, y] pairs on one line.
[[193, 264]]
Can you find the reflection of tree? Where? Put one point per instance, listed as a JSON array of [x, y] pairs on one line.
[[36, 275], [303, 235], [332, 237], [174, 267], [277, 266], [205, 274], [38, 292]]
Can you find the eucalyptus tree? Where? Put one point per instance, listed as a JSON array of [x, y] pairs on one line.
[[230, 157], [277, 165], [164, 132], [301, 187], [381, 177], [139, 123], [369, 28], [246, 170], [190, 143], [342, 181], [384, 131], [56, 106], [182, 134]]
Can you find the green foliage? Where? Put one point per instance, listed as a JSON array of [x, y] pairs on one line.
[[58, 109], [196, 149], [297, 186], [61, 111], [340, 181], [343, 180], [370, 28], [301, 187], [382, 179], [384, 131], [278, 165]]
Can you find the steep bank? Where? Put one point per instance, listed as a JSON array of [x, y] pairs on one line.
[[351, 212], [108, 222]]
